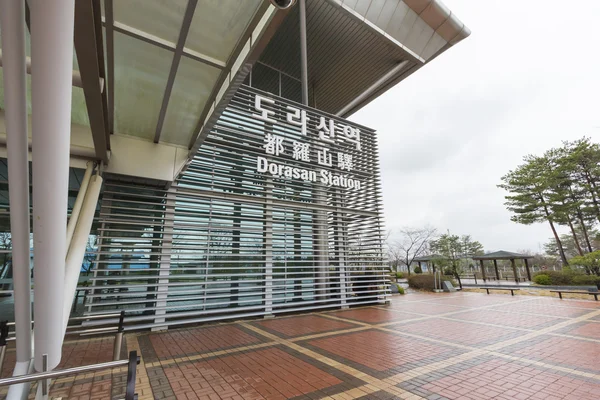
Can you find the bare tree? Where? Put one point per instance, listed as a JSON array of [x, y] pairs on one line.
[[411, 243]]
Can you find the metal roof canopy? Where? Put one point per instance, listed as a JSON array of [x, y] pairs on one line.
[[358, 49], [153, 76]]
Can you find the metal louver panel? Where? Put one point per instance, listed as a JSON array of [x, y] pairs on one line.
[[229, 241]]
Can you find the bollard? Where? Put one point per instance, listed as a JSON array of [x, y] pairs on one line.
[[3, 336], [134, 360], [45, 382], [119, 338]]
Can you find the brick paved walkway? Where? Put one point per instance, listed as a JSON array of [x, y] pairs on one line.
[[422, 346]]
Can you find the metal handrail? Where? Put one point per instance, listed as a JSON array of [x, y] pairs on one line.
[[84, 318], [38, 376], [132, 362]]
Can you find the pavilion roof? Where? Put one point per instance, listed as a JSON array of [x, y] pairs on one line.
[[501, 255]]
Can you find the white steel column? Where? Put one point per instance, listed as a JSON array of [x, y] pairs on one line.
[[52, 67], [12, 20], [341, 240], [268, 246], [76, 252], [164, 261]]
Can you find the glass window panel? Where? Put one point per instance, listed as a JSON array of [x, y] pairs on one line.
[[158, 18], [265, 78], [217, 26], [141, 72], [291, 88], [193, 84], [79, 114]]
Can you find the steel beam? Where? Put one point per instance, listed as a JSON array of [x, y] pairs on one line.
[[391, 74], [76, 74], [110, 64], [257, 42], [164, 44], [183, 33], [101, 64], [86, 47]]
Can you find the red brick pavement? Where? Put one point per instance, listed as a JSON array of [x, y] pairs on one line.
[[573, 353], [199, 340], [456, 331], [377, 350], [215, 362], [426, 308], [269, 374], [304, 325], [372, 315], [505, 319], [543, 308], [504, 380], [588, 330]]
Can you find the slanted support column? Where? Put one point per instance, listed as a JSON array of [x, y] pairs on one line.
[[79, 242], [514, 268], [164, 262], [482, 270], [79, 202], [527, 269], [51, 86], [496, 269]]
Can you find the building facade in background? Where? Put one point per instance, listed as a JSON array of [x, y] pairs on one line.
[[233, 184], [279, 211]]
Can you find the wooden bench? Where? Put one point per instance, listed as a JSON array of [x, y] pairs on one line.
[[487, 289], [560, 292]]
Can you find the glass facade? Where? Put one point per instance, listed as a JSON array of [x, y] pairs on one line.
[[279, 211]]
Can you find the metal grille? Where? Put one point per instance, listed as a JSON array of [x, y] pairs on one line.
[[227, 241]]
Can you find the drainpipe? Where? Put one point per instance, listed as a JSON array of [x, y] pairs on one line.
[[12, 21]]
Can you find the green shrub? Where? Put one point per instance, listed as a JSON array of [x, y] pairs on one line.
[[424, 281], [542, 279], [400, 275], [418, 270], [565, 277], [448, 271], [400, 289], [557, 278], [590, 280]]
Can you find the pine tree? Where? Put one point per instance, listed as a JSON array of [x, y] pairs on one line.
[[529, 186]]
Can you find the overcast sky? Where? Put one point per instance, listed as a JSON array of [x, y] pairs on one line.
[[527, 78]]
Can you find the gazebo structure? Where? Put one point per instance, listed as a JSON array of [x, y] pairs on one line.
[[425, 259], [504, 255]]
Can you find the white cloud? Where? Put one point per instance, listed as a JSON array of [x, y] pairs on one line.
[[526, 79]]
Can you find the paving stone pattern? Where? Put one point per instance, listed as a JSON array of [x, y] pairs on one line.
[[466, 346]]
